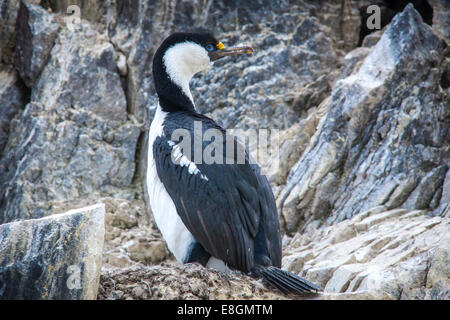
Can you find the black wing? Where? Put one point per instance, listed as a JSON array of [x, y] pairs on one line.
[[222, 205]]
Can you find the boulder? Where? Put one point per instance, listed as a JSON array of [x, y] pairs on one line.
[[82, 74], [57, 257]]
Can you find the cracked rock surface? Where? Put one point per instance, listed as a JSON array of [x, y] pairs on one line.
[[56, 257]]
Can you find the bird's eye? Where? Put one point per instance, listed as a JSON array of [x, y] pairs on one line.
[[209, 47]]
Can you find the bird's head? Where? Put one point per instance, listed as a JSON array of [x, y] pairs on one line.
[[181, 56]]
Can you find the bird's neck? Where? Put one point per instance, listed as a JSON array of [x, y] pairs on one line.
[[172, 86]]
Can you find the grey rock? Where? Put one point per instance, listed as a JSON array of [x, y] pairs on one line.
[[8, 17], [445, 198], [274, 87], [57, 257], [52, 159], [372, 39], [294, 263], [82, 74], [35, 33], [74, 140], [145, 251], [353, 61], [291, 71], [131, 237], [95, 12], [132, 31], [320, 275], [384, 126], [13, 97], [443, 209], [342, 277], [400, 254], [424, 192], [439, 270]]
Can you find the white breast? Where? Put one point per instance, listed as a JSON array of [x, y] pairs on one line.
[[174, 232]]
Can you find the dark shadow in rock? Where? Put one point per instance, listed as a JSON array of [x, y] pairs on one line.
[[389, 8]]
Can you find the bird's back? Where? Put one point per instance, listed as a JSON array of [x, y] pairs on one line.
[[224, 201]]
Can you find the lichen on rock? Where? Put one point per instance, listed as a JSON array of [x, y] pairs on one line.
[[57, 257]]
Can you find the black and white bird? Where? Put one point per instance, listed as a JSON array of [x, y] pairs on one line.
[[222, 214]]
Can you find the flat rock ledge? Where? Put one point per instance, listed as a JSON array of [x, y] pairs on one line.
[[55, 257]]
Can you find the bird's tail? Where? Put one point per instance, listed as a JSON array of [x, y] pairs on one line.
[[287, 282]]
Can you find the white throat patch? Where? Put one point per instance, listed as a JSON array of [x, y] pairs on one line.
[[183, 61]]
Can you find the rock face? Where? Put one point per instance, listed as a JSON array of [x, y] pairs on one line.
[[131, 237], [175, 282], [378, 254], [56, 257], [441, 17], [362, 182], [74, 139]]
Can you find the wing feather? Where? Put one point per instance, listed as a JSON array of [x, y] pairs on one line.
[[223, 212]]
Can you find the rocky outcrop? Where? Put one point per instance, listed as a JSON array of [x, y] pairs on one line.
[[56, 257], [441, 18], [378, 254], [171, 281], [364, 134], [35, 33], [74, 139], [385, 138]]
